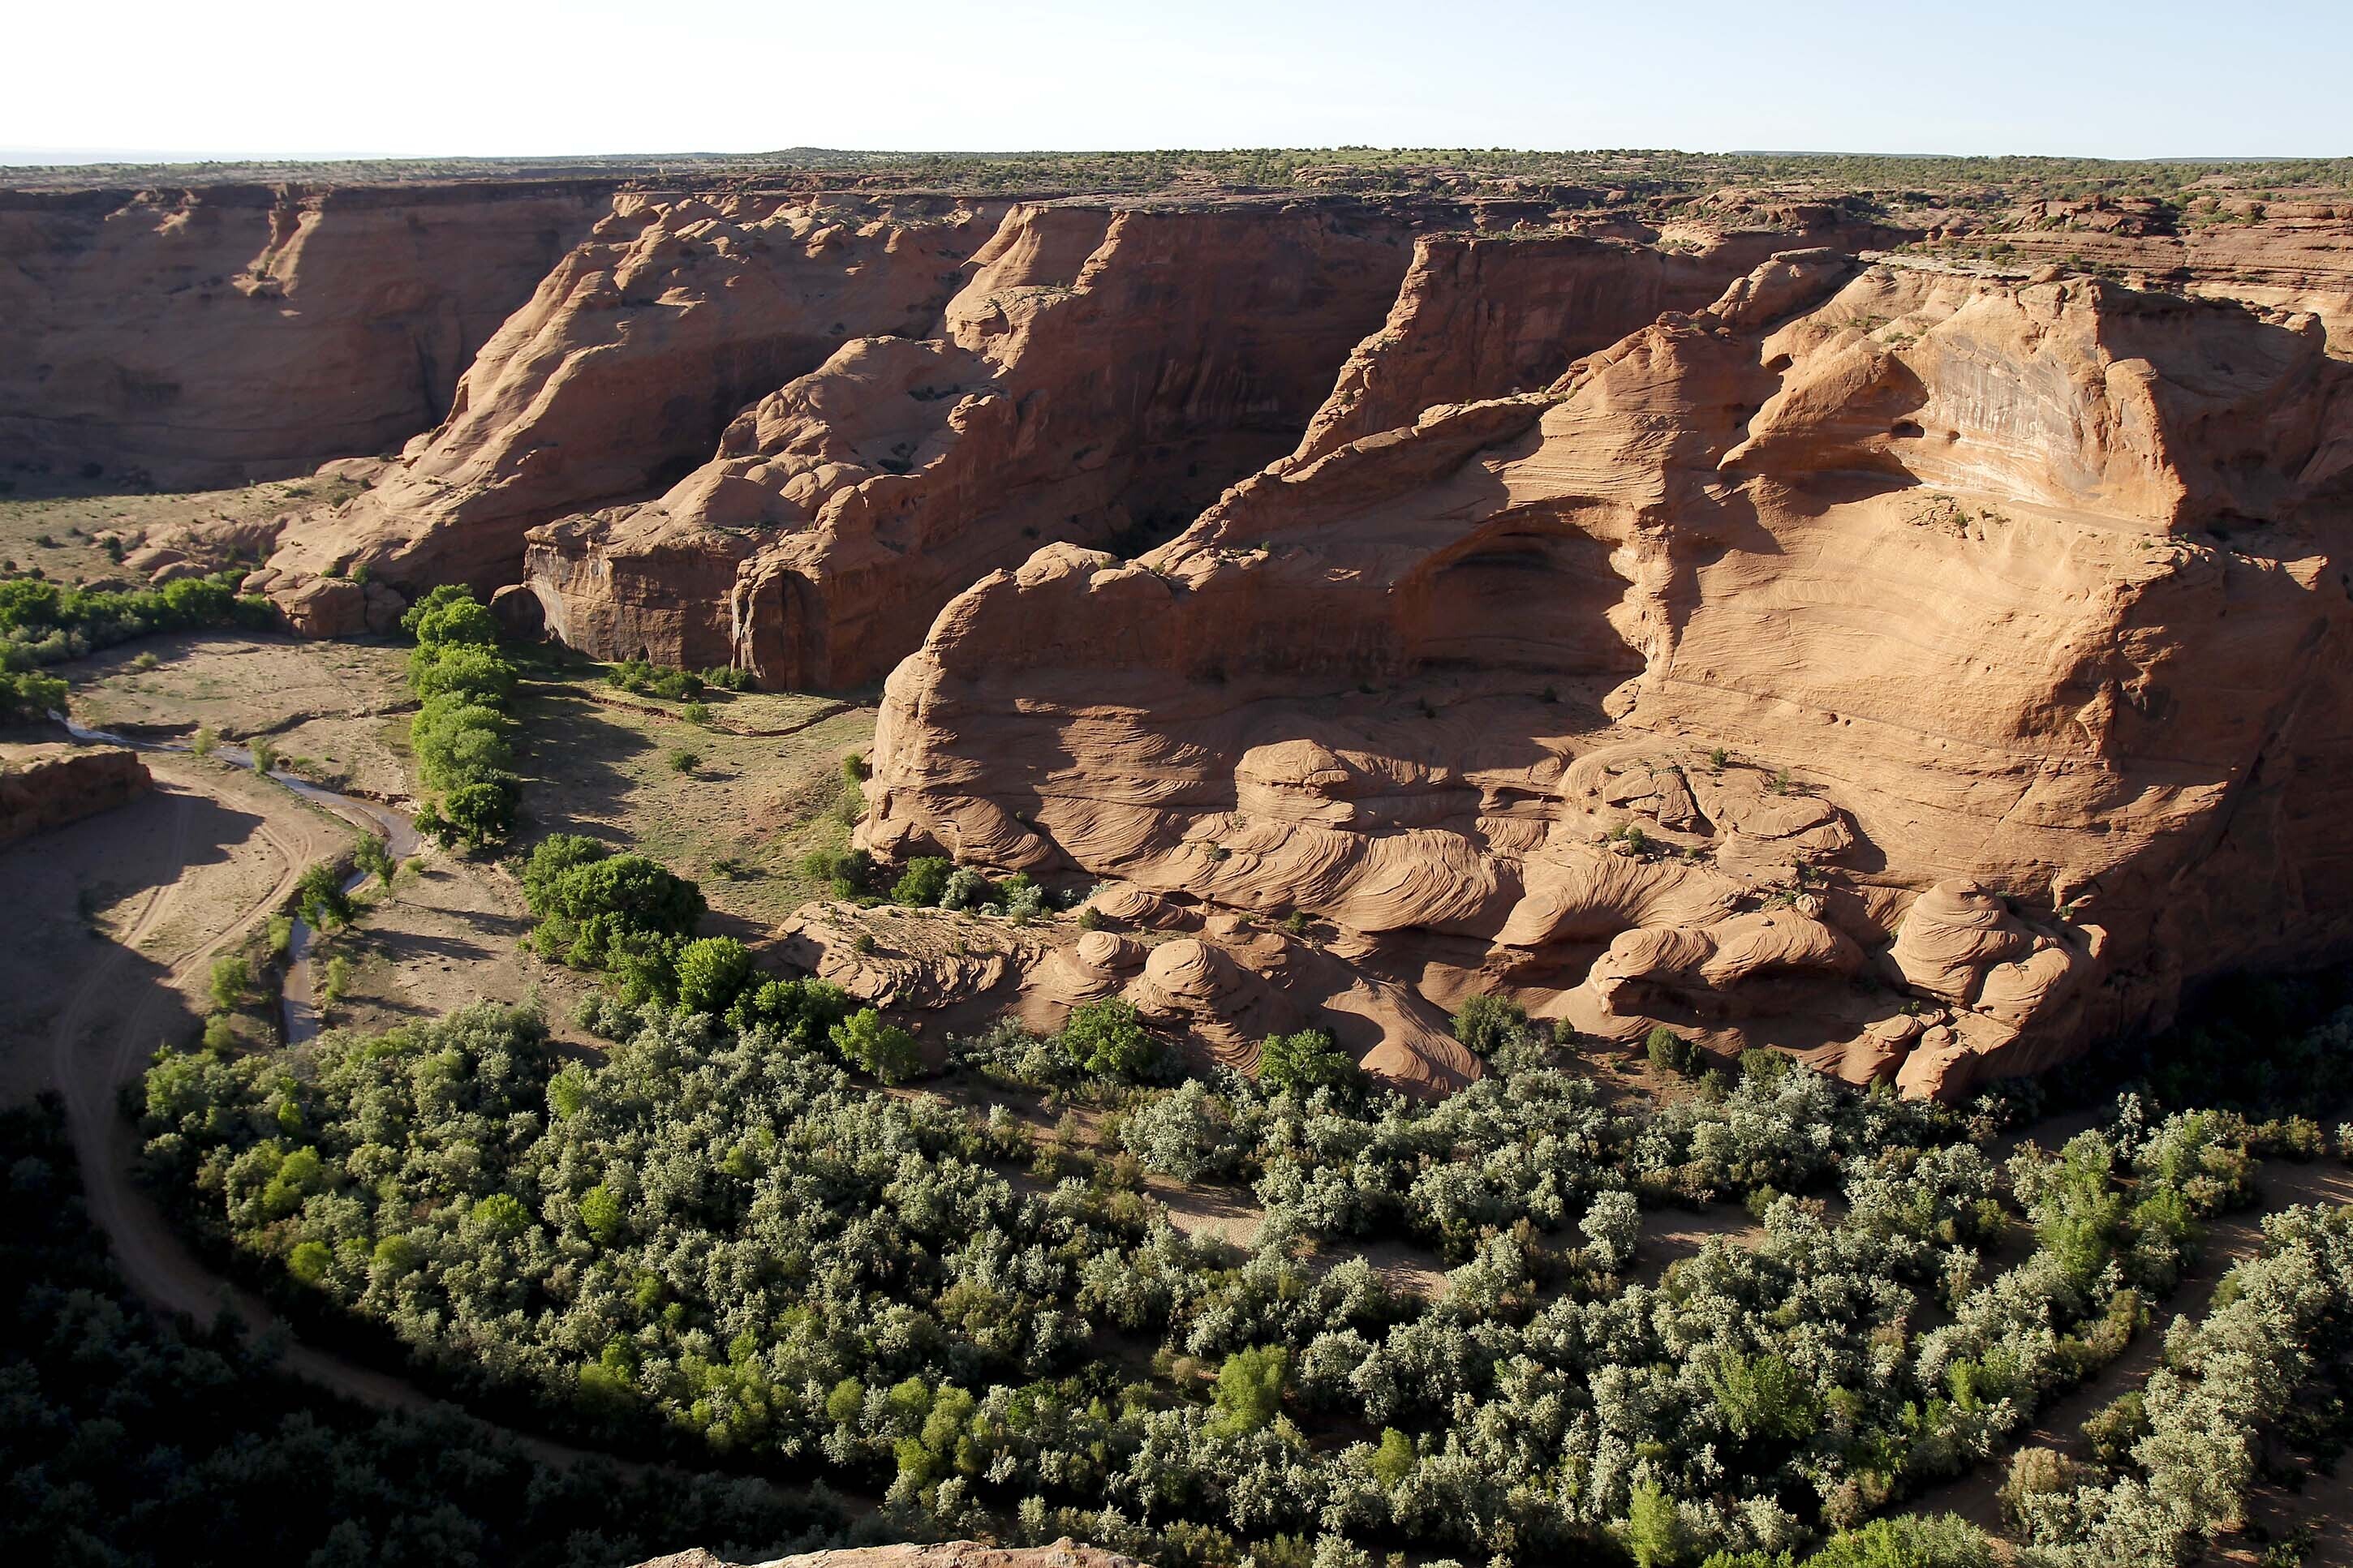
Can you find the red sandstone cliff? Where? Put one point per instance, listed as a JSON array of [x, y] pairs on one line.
[[1878, 636], [1100, 371], [625, 364], [1104, 371], [45, 786], [234, 333]]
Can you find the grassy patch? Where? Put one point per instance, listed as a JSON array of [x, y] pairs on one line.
[[738, 821]]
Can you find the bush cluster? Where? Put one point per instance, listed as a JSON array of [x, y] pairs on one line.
[[716, 1232], [460, 736], [128, 1442], [648, 680], [2197, 1426], [625, 915], [42, 623]]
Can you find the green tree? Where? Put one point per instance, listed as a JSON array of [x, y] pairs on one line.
[[802, 1012], [711, 973], [1304, 1062], [2079, 1218], [1763, 1397], [1106, 1039], [319, 896], [1395, 1459], [467, 670], [1487, 1023], [449, 614], [232, 982], [1250, 1390], [28, 695], [1653, 1530], [373, 859], [1907, 1541], [1671, 1052], [600, 1214], [458, 740], [924, 882], [883, 1049], [499, 1215]]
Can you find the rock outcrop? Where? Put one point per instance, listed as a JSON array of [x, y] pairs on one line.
[[1923, 671], [1101, 376], [1215, 982], [1103, 370], [630, 359], [221, 335], [49, 786]]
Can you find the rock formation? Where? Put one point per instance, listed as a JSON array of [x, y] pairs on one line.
[[1102, 371], [630, 359], [221, 335], [49, 786], [1105, 373], [1919, 670], [1217, 982], [1661, 604]]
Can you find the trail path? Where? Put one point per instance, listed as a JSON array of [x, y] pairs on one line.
[[2231, 1239], [111, 1023]]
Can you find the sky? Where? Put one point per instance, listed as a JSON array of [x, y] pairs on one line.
[[495, 78]]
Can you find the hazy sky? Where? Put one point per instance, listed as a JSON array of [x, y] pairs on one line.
[[491, 76]]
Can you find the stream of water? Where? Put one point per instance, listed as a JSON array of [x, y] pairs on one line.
[[399, 833]]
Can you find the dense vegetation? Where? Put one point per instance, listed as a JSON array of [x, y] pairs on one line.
[[460, 736], [43, 624], [126, 1441], [715, 1238]]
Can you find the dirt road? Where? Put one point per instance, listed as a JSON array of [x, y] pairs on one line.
[[217, 852]]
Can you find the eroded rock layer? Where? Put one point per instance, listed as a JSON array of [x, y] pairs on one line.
[[628, 360], [218, 336], [1923, 671], [1101, 371], [49, 786]]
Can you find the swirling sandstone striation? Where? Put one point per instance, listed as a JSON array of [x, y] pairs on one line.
[[222, 335], [625, 364], [1919, 670]]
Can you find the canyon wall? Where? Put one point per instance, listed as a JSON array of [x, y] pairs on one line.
[[627, 362], [1101, 372], [222, 335], [781, 432], [1101, 375], [1921, 672], [49, 785]]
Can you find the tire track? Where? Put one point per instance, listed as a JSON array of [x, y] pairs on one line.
[[154, 1262]]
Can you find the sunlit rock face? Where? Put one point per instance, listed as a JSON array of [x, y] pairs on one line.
[[1925, 672]]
